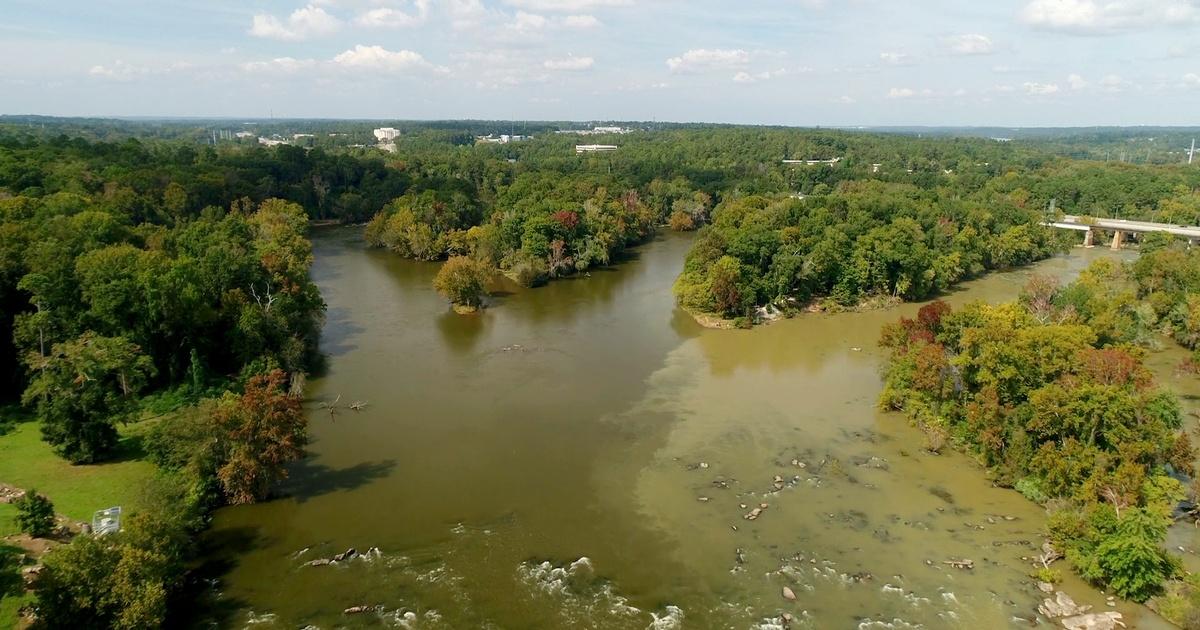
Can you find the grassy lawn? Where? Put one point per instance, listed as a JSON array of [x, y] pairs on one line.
[[77, 491], [8, 520]]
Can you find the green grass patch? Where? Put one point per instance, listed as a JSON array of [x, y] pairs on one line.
[[8, 520], [77, 491]]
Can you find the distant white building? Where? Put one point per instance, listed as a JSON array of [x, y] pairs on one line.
[[596, 130], [594, 148], [829, 162], [297, 136], [244, 134], [386, 134], [270, 142], [500, 139]]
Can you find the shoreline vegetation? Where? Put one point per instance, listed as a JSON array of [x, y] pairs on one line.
[[1051, 396]]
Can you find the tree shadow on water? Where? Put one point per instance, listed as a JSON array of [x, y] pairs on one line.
[[461, 333], [201, 602], [340, 327], [307, 479]]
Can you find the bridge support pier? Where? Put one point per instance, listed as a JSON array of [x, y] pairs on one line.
[[1116, 242], [1089, 238]]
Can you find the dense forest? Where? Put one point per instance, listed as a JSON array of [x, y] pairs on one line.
[[863, 240]]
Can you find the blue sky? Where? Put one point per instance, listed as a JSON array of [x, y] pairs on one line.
[[797, 62]]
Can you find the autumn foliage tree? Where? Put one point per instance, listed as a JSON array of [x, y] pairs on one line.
[[258, 434], [463, 281]]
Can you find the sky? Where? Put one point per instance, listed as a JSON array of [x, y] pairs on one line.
[[793, 62]]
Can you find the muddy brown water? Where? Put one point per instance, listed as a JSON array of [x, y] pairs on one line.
[[577, 456]]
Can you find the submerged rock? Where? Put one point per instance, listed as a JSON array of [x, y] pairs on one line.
[[1095, 621]]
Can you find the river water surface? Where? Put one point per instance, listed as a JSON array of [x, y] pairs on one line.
[[583, 455]]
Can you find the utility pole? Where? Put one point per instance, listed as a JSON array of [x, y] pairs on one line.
[[1192, 151]]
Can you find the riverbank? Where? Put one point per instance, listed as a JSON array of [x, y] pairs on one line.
[[771, 313]]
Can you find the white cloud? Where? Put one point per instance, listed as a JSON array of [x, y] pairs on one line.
[[1094, 17], [1040, 89], [1076, 82], [303, 23], [970, 44], [466, 14], [901, 93], [766, 75], [387, 17], [700, 59], [1191, 79], [580, 21], [895, 58], [499, 68], [528, 22], [845, 100], [119, 71], [566, 5], [379, 58], [569, 64], [279, 64], [1112, 83]]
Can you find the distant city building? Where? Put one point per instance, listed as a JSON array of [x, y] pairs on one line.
[[270, 142], [875, 168], [390, 147], [1002, 139], [386, 134], [597, 130], [829, 162], [245, 134], [297, 136], [593, 148], [500, 139]]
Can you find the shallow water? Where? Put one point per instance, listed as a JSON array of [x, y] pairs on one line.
[[578, 456]]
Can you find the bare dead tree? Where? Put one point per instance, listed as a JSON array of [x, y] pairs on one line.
[[267, 300]]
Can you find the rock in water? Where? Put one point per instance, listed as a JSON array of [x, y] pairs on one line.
[[1061, 606], [345, 555], [1096, 621], [789, 594]]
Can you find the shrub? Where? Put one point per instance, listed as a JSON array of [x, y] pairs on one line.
[[529, 271], [35, 514], [101, 582], [681, 221], [1046, 574]]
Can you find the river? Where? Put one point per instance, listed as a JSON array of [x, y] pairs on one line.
[[583, 455]]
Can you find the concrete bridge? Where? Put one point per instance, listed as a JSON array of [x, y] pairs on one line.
[[1121, 227]]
